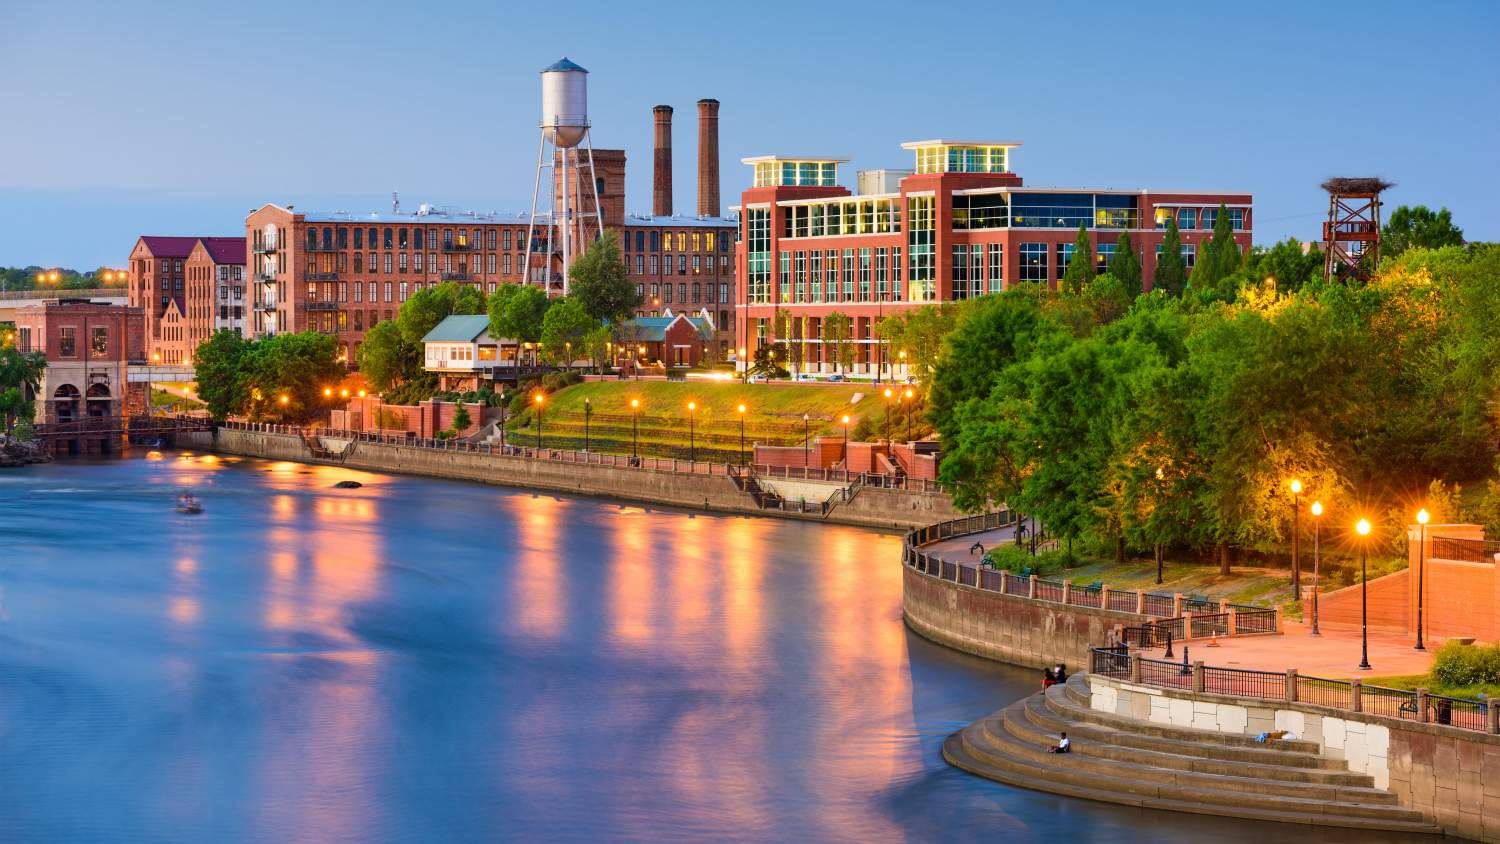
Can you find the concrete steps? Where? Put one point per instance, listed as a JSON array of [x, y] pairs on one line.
[[1120, 760]]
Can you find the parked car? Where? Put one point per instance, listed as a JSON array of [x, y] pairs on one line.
[[806, 376], [835, 377], [758, 378]]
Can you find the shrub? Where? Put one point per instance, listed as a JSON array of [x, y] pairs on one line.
[[1016, 559], [1466, 665]]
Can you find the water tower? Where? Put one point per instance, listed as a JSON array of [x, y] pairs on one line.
[[565, 129]]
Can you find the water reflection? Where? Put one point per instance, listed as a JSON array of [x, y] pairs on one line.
[[416, 661]]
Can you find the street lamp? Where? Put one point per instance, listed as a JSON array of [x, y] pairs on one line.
[[1363, 529], [540, 400], [1296, 487], [692, 432], [888, 394], [845, 419], [744, 367], [910, 407], [1317, 511], [806, 442], [741, 410], [588, 410], [1422, 518], [327, 392], [635, 418]]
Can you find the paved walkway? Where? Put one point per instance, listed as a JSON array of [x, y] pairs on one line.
[[1334, 654]]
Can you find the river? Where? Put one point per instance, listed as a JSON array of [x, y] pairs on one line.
[[417, 661]]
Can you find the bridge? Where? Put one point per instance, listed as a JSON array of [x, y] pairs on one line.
[[99, 434]]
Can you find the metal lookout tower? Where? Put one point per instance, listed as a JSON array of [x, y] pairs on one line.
[[565, 128], [1351, 235]]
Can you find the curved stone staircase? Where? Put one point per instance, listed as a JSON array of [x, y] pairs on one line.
[[1156, 766]]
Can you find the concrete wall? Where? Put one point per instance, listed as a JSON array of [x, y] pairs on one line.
[[1387, 599], [872, 507], [1009, 628], [1451, 776]]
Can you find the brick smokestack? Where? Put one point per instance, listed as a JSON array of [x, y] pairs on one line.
[[661, 175], [708, 158]]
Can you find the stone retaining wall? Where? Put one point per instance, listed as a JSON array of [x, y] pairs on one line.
[[1451, 776], [871, 507], [1009, 628]]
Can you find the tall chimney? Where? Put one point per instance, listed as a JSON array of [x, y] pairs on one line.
[[708, 158], [661, 176]]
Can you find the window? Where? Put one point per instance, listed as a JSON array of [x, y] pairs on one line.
[[666, 294], [403, 257], [1237, 219], [359, 292], [389, 238], [997, 267], [403, 242], [655, 242], [506, 240], [1187, 218], [359, 238], [416, 260], [387, 262], [656, 265], [1210, 217], [1189, 254], [67, 341], [1034, 262], [404, 291], [757, 254], [416, 239], [374, 263], [389, 287], [784, 292], [1103, 254], [640, 265], [920, 236], [99, 342], [960, 259], [724, 294], [1064, 257]]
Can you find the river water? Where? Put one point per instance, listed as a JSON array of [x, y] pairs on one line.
[[419, 661]]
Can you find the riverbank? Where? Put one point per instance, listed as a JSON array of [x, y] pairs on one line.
[[874, 507], [14, 452]]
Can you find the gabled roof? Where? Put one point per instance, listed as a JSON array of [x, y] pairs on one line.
[[654, 329], [169, 247], [225, 250], [463, 328]]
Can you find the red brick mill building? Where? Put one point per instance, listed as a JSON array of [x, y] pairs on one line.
[[960, 224]]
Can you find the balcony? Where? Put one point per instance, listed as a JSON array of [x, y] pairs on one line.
[[265, 250], [449, 246], [454, 276], [264, 306], [265, 278], [322, 276], [324, 247], [322, 306]]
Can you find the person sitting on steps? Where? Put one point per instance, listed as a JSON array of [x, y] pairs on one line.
[[1062, 745], [1054, 675]]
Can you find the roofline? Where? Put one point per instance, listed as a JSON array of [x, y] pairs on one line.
[[943, 142], [757, 159]]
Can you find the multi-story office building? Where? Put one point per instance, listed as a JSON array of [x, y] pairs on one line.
[[959, 225]]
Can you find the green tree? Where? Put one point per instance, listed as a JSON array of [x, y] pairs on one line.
[[217, 371], [1080, 269], [564, 327], [385, 358], [461, 419], [516, 312], [596, 343], [836, 328], [1418, 227], [1219, 256], [1286, 263], [1125, 265], [601, 282], [426, 308], [297, 366], [20, 374], [1171, 269], [768, 361]]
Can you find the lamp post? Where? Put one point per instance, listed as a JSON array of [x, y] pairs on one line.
[[635, 427], [744, 366], [741, 410], [692, 432], [902, 356], [1422, 518], [1317, 511], [540, 401], [889, 393], [1296, 486], [806, 442], [1363, 529], [910, 407], [502, 420], [588, 411], [845, 419]]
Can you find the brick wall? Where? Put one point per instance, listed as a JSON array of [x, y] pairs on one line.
[[1388, 606]]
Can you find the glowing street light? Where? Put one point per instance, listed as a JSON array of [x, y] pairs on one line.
[[1422, 519], [635, 428], [692, 432], [845, 419], [741, 410], [744, 366], [1296, 487], [1363, 529], [910, 408], [327, 392], [284, 399], [588, 412], [539, 400], [361, 393], [1317, 511]]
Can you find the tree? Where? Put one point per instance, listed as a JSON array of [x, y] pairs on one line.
[[516, 312], [601, 282], [1418, 227], [20, 373], [1171, 269], [217, 371], [596, 344], [1219, 257], [564, 326], [426, 308], [768, 361], [295, 366], [1125, 265], [385, 358], [836, 328], [1080, 269], [1287, 263], [461, 420]]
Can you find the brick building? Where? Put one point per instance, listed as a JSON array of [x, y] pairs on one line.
[[89, 347], [958, 225], [215, 275], [161, 284]]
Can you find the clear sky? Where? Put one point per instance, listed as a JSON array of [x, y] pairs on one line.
[[122, 119]]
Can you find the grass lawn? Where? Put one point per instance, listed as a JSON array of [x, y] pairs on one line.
[[1253, 586], [1412, 682], [773, 415]]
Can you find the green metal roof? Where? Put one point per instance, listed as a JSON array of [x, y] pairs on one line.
[[459, 329], [654, 329]]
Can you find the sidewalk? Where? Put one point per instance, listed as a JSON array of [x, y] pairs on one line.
[[1333, 655]]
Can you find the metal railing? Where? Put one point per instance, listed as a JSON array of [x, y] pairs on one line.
[[1254, 620], [1464, 550], [1290, 686]]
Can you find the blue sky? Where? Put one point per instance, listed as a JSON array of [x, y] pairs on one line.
[[176, 118]]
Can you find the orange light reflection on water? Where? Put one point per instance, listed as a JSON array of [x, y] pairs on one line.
[[538, 570]]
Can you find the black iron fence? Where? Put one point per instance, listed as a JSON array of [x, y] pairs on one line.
[[1465, 550]]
